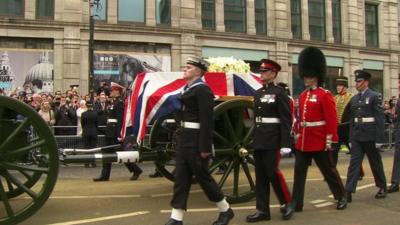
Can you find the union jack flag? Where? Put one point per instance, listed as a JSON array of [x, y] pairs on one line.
[[157, 94]]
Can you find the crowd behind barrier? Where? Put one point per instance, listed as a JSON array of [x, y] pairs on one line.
[[62, 112]]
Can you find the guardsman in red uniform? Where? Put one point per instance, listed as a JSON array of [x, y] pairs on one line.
[[271, 137], [317, 130]]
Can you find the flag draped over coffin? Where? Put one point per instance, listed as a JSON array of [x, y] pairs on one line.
[[157, 94]]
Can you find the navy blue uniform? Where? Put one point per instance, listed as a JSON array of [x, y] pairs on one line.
[[194, 136], [366, 130]]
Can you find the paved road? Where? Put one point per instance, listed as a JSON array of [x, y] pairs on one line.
[[78, 200]]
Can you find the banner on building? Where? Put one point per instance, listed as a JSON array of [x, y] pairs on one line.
[[26, 72], [123, 67]]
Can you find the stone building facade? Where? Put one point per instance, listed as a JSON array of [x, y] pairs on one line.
[[67, 34]]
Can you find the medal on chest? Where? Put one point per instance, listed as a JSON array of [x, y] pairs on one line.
[[313, 98], [367, 100], [267, 99]]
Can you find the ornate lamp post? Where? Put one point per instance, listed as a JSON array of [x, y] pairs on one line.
[[92, 4]]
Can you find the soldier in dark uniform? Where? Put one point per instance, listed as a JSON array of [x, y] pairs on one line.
[[366, 134], [89, 121], [394, 187], [317, 131], [271, 137], [194, 145], [113, 133]]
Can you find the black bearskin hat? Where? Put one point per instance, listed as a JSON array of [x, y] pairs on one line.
[[312, 63]]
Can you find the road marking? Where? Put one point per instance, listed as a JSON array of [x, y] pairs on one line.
[[359, 188], [324, 204], [102, 218], [216, 209], [317, 201], [91, 197]]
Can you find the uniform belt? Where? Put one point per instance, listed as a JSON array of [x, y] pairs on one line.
[[190, 125], [267, 120], [364, 119], [313, 124], [112, 121]]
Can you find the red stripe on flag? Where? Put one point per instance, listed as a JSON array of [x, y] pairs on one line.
[[217, 83], [155, 98], [257, 78], [135, 93]]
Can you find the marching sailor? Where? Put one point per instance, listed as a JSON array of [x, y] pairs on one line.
[[194, 145]]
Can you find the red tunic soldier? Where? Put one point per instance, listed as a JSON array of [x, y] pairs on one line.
[[316, 131]]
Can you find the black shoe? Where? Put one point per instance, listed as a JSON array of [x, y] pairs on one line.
[[393, 188], [349, 198], [136, 176], [341, 204], [283, 208], [101, 178], [289, 212], [258, 216], [381, 193], [155, 174], [224, 217], [174, 222]]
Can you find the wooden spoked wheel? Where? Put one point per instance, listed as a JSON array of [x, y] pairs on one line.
[[28, 161]]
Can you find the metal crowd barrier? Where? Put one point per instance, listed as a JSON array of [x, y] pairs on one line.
[[73, 140]]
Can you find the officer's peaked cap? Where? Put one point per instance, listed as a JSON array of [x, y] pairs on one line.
[[198, 62], [362, 75], [267, 64], [116, 86], [312, 63]]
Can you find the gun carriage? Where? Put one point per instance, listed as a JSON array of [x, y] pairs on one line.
[[29, 157]]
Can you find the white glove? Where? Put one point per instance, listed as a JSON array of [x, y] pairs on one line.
[[285, 151], [378, 145], [350, 145]]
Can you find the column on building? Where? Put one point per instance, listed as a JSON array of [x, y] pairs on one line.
[[393, 76], [282, 57], [329, 21], [150, 13], [281, 18], [304, 20], [355, 23], [30, 10], [112, 11], [250, 17], [219, 16]]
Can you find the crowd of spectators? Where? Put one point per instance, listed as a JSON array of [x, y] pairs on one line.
[[63, 110]]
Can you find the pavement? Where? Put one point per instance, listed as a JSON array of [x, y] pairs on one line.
[[76, 199]]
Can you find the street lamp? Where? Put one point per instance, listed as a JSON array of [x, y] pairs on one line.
[[92, 3]]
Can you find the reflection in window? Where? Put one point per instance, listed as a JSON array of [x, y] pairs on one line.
[[371, 25], [297, 82], [100, 11], [376, 82], [12, 7], [163, 12], [208, 14], [336, 21], [295, 8], [316, 17], [131, 11], [261, 16], [235, 15], [45, 8]]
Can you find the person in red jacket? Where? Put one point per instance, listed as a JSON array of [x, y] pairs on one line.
[[317, 131]]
